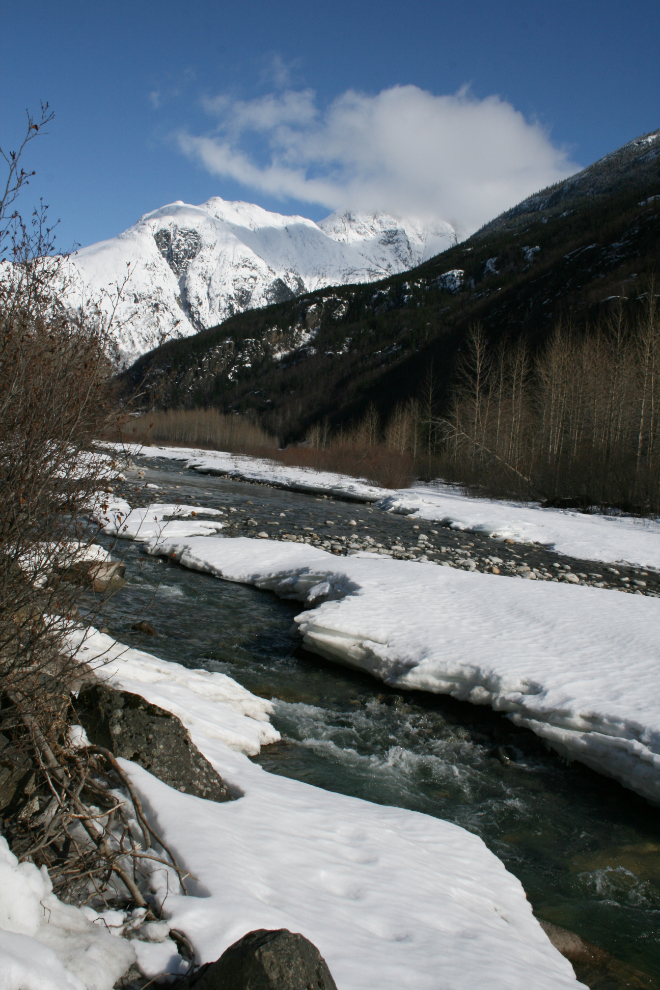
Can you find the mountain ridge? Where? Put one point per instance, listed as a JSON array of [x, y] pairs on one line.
[[633, 160], [192, 267]]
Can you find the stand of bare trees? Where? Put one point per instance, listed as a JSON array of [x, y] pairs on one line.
[[577, 424]]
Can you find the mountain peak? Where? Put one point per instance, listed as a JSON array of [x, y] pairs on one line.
[[192, 267]]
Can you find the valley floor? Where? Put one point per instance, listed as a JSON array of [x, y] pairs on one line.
[[392, 898]]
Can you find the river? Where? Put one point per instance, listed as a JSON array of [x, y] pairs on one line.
[[585, 849]]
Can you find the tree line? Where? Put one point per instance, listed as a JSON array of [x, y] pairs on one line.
[[575, 424]]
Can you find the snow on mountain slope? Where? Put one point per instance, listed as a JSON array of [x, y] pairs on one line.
[[194, 266], [393, 244]]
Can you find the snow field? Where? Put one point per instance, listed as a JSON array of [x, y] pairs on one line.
[[392, 898], [578, 666]]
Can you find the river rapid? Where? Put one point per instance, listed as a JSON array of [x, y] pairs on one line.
[[586, 850]]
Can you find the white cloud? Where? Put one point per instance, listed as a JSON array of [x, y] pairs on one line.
[[403, 151]]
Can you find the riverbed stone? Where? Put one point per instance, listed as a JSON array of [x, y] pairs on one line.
[[144, 627], [133, 729], [267, 960], [593, 965]]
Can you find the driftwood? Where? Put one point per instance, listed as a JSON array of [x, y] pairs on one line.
[[73, 821]]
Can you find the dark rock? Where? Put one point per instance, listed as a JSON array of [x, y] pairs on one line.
[[131, 728], [505, 754], [267, 960], [144, 627], [178, 245]]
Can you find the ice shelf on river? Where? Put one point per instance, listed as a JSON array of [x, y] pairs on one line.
[[116, 518], [392, 898], [579, 666]]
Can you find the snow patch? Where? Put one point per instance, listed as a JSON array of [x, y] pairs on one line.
[[118, 519], [48, 945]]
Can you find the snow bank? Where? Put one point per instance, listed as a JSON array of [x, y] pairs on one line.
[[213, 704], [48, 945], [392, 898], [587, 537], [579, 666], [244, 468], [118, 519]]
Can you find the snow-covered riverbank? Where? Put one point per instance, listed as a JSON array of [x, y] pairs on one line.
[[241, 467], [589, 537], [392, 898], [576, 665]]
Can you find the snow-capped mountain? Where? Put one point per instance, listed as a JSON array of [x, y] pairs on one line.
[[194, 266]]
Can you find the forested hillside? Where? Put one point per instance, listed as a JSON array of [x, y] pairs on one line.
[[566, 253]]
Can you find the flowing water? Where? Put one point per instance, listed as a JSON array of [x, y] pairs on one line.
[[586, 850]]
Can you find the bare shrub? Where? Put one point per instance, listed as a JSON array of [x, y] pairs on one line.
[[380, 466], [200, 428], [60, 806], [357, 451]]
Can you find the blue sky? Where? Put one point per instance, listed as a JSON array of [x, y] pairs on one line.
[[321, 105]]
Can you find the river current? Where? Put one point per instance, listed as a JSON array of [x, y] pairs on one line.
[[586, 850]]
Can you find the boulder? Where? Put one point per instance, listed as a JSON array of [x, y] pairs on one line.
[[108, 576], [130, 727], [267, 960], [592, 965]]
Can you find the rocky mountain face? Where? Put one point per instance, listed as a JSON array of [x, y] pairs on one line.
[[192, 267], [570, 252]]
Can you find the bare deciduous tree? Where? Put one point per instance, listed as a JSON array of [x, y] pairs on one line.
[[55, 397]]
